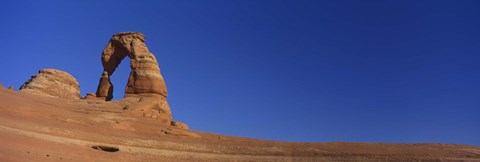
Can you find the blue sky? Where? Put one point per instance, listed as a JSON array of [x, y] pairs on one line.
[[313, 71]]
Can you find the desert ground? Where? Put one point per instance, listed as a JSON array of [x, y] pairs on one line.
[[39, 128]]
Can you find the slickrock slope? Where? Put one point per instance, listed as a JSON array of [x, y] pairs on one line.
[[36, 128], [54, 83]]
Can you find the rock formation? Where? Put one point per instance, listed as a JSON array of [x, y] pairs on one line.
[[145, 94], [54, 83], [145, 74], [90, 96], [145, 81], [179, 125]]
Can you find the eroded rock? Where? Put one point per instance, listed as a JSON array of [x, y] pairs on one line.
[[145, 74], [179, 125], [53, 83], [151, 106], [146, 91], [90, 96]]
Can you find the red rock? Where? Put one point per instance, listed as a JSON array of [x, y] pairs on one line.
[[146, 88], [179, 125], [90, 96], [145, 74], [53, 83]]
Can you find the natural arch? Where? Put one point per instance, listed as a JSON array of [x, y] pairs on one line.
[[146, 92], [145, 77]]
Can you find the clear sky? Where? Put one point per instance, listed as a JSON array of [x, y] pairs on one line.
[[317, 71]]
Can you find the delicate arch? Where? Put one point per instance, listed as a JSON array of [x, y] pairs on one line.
[[145, 74]]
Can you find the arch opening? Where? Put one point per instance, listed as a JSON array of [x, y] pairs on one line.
[[118, 80]]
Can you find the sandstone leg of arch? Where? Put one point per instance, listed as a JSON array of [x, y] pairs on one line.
[[105, 87]]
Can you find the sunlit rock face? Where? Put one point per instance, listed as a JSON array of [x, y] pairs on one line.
[[145, 74], [52, 83], [145, 84]]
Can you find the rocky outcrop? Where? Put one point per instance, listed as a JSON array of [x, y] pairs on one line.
[[179, 125], [146, 91], [53, 83], [9, 88], [145, 74], [90, 96], [145, 94], [150, 106]]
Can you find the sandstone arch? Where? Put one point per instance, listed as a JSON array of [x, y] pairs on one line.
[[146, 91], [145, 77]]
